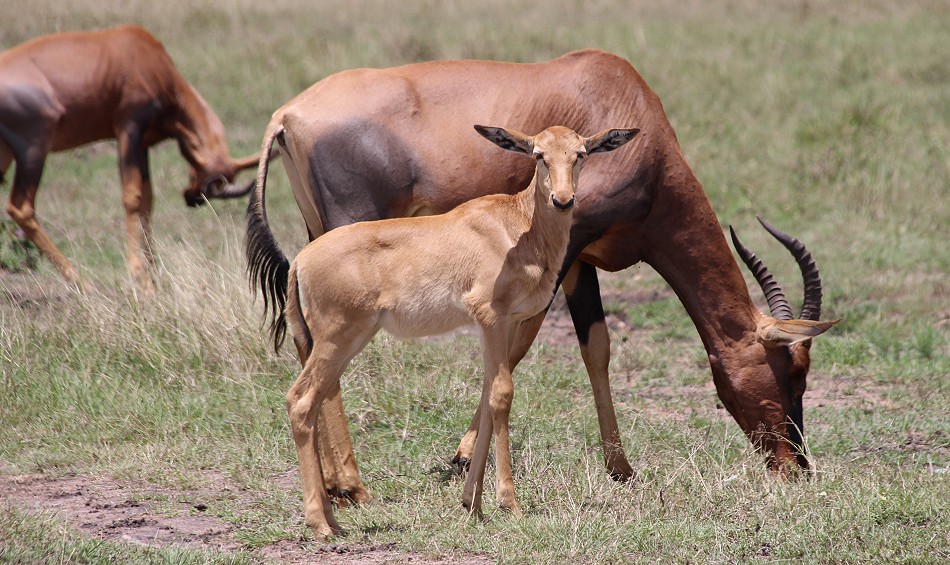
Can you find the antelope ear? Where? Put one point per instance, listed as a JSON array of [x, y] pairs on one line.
[[609, 139], [775, 333], [509, 139]]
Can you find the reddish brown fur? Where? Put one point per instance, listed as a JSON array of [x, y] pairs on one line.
[[68, 89], [418, 156]]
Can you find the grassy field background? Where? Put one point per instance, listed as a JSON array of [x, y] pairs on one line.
[[830, 119]]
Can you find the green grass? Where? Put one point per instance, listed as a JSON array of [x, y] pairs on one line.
[[830, 119]]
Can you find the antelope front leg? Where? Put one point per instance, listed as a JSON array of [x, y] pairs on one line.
[[524, 336], [21, 207], [582, 291], [137, 200]]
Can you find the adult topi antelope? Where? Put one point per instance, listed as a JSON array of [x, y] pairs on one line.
[[65, 90], [367, 144], [492, 261]]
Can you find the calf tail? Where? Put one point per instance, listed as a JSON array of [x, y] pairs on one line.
[[267, 266], [299, 329]]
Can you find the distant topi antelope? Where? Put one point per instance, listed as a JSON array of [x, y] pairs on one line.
[[492, 261], [65, 90]]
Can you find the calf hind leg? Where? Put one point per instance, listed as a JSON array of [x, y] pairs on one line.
[[328, 352], [341, 476], [340, 472], [303, 401], [318, 382]]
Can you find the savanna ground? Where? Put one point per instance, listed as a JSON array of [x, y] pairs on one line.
[[139, 430]]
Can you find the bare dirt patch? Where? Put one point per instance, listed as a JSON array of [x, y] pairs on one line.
[[119, 511]]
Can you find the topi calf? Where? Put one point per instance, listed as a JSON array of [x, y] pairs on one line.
[[492, 261]]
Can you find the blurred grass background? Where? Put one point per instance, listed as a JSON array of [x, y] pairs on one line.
[[830, 119]]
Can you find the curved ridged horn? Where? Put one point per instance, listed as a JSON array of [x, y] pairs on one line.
[[778, 304], [231, 190], [811, 306]]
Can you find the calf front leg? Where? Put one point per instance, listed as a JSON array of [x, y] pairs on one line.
[[497, 394], [502, 394], [524, 336]]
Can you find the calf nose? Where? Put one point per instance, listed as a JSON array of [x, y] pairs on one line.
[[562, 206]]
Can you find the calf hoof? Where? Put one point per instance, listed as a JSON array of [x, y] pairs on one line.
[[514, 509], [323, 531]]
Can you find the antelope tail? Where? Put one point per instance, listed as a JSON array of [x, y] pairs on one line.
[[267, 266]]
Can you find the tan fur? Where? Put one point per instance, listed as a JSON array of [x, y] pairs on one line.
[[492, 261], [64, 90]]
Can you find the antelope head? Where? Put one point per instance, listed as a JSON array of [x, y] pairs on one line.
[[216, 180], [559, 152], [787, 340], [203, 143]]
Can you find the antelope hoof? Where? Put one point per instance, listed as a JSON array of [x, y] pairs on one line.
[[623, 476], [461, 464], [621, 471], [345, 497], [475, 512]]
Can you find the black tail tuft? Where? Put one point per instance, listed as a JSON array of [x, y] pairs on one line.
[[267, 268]]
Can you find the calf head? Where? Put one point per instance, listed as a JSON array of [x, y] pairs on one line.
[[559, 152]]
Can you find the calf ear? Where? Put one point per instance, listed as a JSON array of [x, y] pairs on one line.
[[775, 333], [509, 139], [609, 139]]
